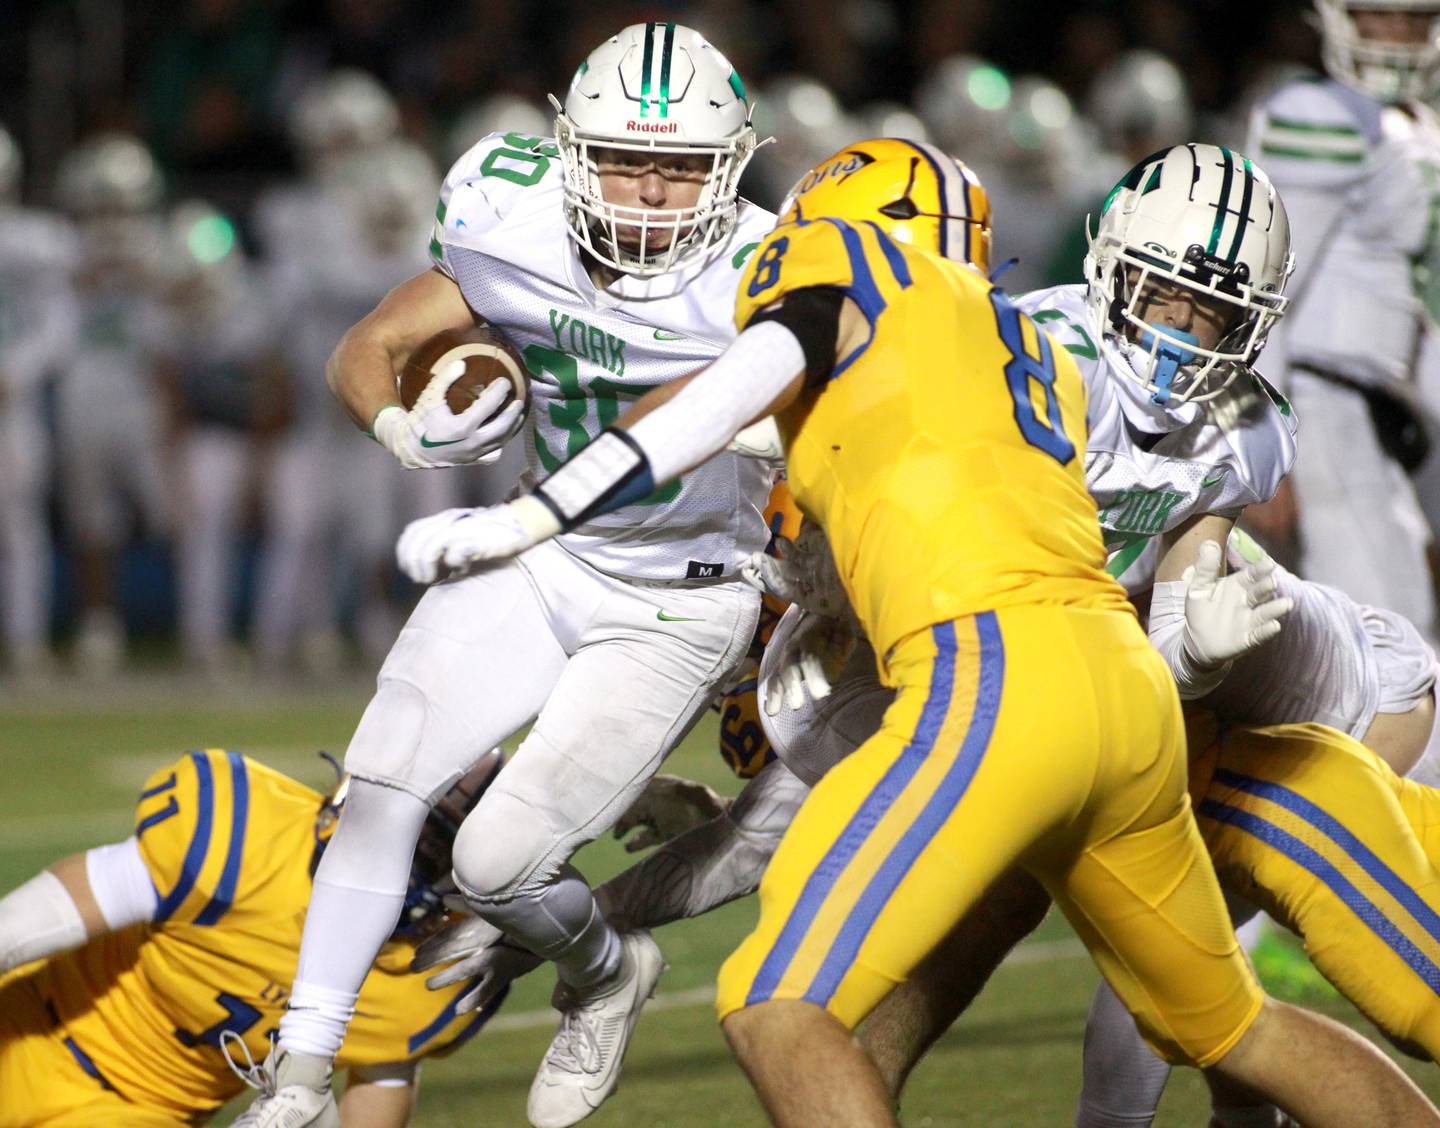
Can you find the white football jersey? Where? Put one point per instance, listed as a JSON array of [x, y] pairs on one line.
[[218, 351], [38, 316], [1151, 468], [1361, 184], [326, 276], [109, 374], [500, 234]]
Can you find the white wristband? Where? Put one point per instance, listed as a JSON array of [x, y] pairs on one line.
[[37, 920], [383, 428]]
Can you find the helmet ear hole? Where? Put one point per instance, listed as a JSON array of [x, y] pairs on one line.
[[900, 209]]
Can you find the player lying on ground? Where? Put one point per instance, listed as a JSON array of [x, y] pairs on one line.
[[609, 259], [130, 973], [919, 407]]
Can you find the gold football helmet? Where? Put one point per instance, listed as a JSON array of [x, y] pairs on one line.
[[912, 190]]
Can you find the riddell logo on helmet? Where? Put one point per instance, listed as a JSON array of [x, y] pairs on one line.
[[653, 126]]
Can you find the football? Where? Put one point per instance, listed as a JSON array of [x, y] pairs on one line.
[[485, 355]]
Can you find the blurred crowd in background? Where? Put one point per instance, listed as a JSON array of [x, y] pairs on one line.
[[200, 197]]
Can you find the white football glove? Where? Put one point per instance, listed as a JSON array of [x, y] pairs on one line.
[[456, 540], [814, 654], [1228, 616], [803, 573], [480, 951], [430, 435], [669, 806]]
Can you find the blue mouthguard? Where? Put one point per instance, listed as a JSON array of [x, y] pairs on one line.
[[1168, 358]]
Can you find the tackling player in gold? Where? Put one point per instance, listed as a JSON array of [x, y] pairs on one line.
[[938, 437], [129, 972]]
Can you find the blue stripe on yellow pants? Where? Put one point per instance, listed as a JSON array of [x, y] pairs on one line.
[[1048, 735], [1315, 828]]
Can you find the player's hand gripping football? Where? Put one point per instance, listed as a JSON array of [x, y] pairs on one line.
[[812, 658], [481, 952], [454, 541], [668, 807], [1226, 616], [430, 435]]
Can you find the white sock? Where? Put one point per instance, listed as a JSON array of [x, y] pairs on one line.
[[354, 907], [316, 1020]]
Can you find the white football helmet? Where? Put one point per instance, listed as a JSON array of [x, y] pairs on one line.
[[1387, 71], [499, 113], [964, 101], [204, 262], [11, 168], [1203, 218], [341, 113], [810, 124], [109, 173], [392, 187], [656, 88], [890, 119], [1141, 103]]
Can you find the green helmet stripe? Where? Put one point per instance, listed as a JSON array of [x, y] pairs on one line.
[[645, 69], [1223, 203], [736, 85], [665, 69], [1244, 209]]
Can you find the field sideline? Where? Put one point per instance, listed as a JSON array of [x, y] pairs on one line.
[[73, 764]]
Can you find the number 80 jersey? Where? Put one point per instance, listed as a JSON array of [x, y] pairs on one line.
[[500, 234], [945, 455]]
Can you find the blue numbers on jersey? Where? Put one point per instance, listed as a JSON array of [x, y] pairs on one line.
[[240, 1016], [1047, 434], [571, 412], [767, 267]]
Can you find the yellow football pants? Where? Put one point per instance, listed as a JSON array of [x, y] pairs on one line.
[[1316, 829], [1050, 736], [47, 1082]]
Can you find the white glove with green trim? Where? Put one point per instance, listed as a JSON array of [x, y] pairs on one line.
[[430, 435]]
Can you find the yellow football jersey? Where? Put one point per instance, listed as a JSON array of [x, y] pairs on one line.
[[945, 455], [228, 843]]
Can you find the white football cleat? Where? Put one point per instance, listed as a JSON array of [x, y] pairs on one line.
[[582, 1066], [294, 1089]]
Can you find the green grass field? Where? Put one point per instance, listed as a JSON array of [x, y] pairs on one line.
[[73, 764]]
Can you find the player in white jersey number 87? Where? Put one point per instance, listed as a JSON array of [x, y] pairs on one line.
[[611, 270]]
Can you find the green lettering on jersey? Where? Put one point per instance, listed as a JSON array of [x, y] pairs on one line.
[[571, 412], [1140, 511], [1083, 348]]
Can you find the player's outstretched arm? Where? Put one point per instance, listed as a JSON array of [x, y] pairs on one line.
[[75, 900], [381, 1096], [361, 371], [665, 433]]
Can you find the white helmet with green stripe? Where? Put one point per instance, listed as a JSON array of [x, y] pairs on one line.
[[1205, 219], [1390, 68], [654, 88]]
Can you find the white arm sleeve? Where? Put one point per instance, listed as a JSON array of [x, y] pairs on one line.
[[37, 920], [722, 401], [120, 883], [1167, 635]]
